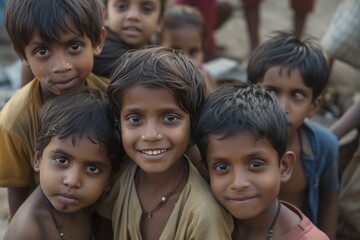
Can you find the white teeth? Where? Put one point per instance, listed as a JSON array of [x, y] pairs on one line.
[[153, 152]]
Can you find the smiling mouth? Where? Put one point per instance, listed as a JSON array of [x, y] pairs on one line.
[[154, 152], [242, 199]]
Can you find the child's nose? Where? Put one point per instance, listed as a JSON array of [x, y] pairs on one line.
[[285, 104], [61, 64], [133, 12], [72, 178], [151, 133], [239, 180]]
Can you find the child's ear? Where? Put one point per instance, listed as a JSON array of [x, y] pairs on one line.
[[286, 165], [315, 106], [37, 158], [99, 46]]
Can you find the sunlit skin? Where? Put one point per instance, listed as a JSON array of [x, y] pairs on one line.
[[73, 176], [155, 130], [246, 179], [188, 39], [294, 96], [61, 66], [134, 21]]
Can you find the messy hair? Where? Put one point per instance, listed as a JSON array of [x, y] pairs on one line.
[[81, 113], [285, 49], [159, 67], [47, 18], [235, 108]]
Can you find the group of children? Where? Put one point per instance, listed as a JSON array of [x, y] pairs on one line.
[[123, 157]]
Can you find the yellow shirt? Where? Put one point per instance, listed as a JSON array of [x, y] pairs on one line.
[[196, 215], [18, 133]]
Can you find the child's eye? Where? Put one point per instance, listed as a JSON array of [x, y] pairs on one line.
[[93, 169], [75, 47], [61, 160], [171, 118], [256, 165], [121, 7], [41, 52], [148, 8], [298, 95], [221, 167], [134, 119]]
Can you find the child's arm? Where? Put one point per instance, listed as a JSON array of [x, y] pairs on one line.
[[16, 197], [328, 213], [348, 121]]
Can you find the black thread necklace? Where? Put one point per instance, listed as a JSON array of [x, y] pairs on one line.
[[271, 229], [166, 197], [59, 227]]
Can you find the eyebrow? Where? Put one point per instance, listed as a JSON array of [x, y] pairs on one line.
[[90, 161]]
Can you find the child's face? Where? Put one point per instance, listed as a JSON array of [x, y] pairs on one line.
[[73, 176], [188, 40], [155, 130], [61, 66], [294, 96], [245, 176], [134, 21]]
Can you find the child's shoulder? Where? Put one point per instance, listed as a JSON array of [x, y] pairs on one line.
[[24, 105], [323, 136], [305, 229], [28, 221]]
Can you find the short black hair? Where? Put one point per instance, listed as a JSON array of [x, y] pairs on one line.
[[285, 49], [24, 18], [235, 108], [159, 67], [81, 113], [180, 16]]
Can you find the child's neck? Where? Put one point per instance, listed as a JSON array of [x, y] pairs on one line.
[[156, 181], [158, 194], [68, 225], [260, 227]]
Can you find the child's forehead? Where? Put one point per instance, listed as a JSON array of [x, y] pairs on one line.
[[142, 95], [288, 75], [63, 31], [242, 143]]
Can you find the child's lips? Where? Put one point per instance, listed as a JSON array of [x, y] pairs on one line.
[[68, 199], [65, 84], [242, 198], [132, 31]]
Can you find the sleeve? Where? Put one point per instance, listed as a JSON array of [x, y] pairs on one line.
[[16, 169], [209, 222]]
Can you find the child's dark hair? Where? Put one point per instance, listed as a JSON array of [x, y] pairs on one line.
[[159, 67], [286, 50], [234, 108], [24, 18], [81, 113], [180, 16], [162, 5]]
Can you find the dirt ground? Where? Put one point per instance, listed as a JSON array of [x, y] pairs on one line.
[[275, 15]]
